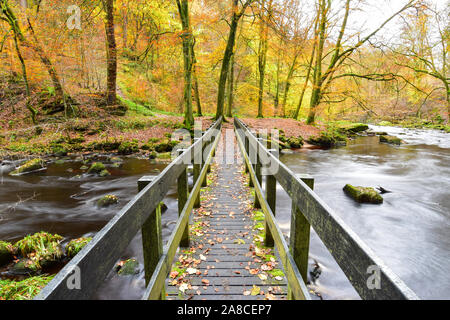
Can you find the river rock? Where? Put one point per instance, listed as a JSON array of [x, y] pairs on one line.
[[107, 201], [129, 267], [363, 194], [29, 166], [25, 266], [75, 246], [97, 167], [391, 140], [6, 253], [296, 143], [354, 127]]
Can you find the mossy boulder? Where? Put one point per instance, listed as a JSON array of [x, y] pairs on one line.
[[129, 267], [59, 150], [25, 266], [385, 124], [353, 127], [75, 246], [29, 166], [296, 143], [329, 139], [166, 146], [107, 201], [391, 140], [98, 168], [363, 194], [104, 173], [39, 250], [6, 252], [128, 147], [153, 155]]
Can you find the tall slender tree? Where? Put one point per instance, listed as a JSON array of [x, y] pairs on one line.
[[183, 10], [238, 12], [111, 53]]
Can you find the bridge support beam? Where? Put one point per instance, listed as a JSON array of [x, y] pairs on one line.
[[258, 168], [152, 242], [300, 234]]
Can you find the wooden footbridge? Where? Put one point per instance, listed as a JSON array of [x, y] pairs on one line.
[[226, 244]]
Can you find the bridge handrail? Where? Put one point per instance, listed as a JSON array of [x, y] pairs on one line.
[[96, 260], [355, 258]]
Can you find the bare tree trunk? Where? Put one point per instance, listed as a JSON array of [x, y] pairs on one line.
[[111, 54], [183, 9], [230, 88], [196, 85]]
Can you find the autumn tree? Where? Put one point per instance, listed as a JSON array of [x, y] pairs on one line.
[[186, 35], [238, 11], [111, 53], [425, 46], [326, 69]]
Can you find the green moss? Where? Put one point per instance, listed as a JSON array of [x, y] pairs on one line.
[[349, 127], [75, 246], [29, 166], [59, 150], [97, 167], [385, 124], [40, 249], [127, 148], [391, 140], [328, 139], [130, 267], [363, 195], [107, 201], [276, 273], [296, 143], [23, 290], [6, 252], [164, 156]]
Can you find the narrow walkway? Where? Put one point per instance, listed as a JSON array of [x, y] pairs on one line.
[[226, 260]]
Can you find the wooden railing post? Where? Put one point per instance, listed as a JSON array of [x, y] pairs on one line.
[[183, 194], [247, 148], [258, 167], [271, 196], [300, 233], [152, 242], [197, 169], [205, 147]]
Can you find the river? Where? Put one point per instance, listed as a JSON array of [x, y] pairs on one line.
[[410, 231]]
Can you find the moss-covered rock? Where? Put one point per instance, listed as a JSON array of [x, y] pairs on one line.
[[164, 156], [129, 267], [6, 252], [26, 267], [75, 246], [104, 173], [107, 201], [329, 139], [39, 250], [29, 166], [128, 147], [23, 290], [166, 146], [296, 143], [96, 168], [59, 150], [363, 195], [391, 140], [385, 124], [353, 127], [153, 155]]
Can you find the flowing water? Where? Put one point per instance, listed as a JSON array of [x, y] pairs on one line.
[[410, 231]]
